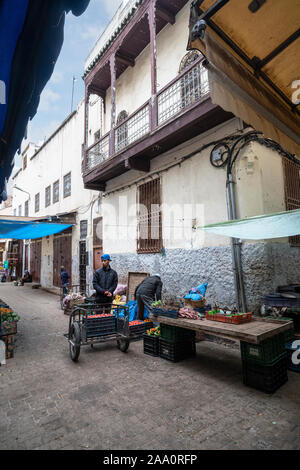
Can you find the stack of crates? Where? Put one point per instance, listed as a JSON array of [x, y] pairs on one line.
[[265, 364], [9, 341], [176, 344], [151, 345], [99, 325]]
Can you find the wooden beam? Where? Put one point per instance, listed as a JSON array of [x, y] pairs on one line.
[[165, 15], [138, 164], [125, 59], [95, 90]]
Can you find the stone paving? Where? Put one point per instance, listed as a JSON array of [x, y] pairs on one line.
[[111, 400]]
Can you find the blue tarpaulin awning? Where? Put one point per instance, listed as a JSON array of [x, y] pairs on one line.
[[21, 230]]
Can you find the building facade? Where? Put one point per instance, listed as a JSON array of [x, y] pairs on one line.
[[158, 154], [49, 187]]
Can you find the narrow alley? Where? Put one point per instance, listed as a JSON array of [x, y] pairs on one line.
[[111, 400]]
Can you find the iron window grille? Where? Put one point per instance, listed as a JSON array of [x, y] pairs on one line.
[[149, 218], [48, 196], [67, 185], [55, 191], [37, 202], [83, 228]]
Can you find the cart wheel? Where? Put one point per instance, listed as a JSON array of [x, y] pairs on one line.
[[123, 344], [76, 338]]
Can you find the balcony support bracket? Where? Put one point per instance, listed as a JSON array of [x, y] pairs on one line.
[[138, 164]]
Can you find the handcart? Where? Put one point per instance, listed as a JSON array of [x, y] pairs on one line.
[[90, 324]]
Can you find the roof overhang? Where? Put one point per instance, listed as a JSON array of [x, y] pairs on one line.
[[253, 54]]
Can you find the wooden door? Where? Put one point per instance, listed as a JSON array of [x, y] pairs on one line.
[[62, 256], [35, 260], [97, 243], [26, 258]]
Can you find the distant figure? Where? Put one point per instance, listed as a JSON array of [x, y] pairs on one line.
[[64, 277], [147, 292], [26, 278]]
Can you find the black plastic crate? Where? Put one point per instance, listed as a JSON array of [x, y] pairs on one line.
[[267, 378], [136, 329], [151, 345], [148, 325], [176, 351], [99, 326]]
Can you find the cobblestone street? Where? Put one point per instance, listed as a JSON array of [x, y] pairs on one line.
[[111, 400]]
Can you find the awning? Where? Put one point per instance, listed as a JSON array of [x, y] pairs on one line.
[[253, 54], [21, 230], [31, 37], [277, 225]]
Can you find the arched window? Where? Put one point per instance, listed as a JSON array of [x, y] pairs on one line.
[[188, 59], [122, 131], [194, 83]]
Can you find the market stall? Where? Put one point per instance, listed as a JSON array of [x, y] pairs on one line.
[[8, 328]]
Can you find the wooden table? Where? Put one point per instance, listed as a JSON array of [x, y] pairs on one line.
[[253, 332]]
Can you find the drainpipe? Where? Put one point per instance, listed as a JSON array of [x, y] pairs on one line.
[[236, 245]]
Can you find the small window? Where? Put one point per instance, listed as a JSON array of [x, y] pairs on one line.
[[20, 211], [83, 228], [26, 211], [15, 212], [67, 185], [97, 136], [48, 196], [149, 218], [55, 191], [37, 202], [24, 162]]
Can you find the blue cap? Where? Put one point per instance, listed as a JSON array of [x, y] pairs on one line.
[[105, 257]]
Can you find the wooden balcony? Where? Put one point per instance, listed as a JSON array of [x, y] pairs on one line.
[[179, 112]]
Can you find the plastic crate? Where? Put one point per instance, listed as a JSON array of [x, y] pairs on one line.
[[99, 325], [175, 333], [176, 351], [267, 378], [151, 345], [164, 312], [290, 351], [235, 319], [266, 352], [148, 325]]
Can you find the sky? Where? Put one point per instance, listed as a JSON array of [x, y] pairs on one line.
[[81, 34]]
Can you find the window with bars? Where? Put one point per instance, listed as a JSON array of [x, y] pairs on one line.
[[83, 228], [20, 210], [48, 196], [26, 210], [149, 218], [55, 191], [15, 212], [37, 202], [292, 191], [67, 185]]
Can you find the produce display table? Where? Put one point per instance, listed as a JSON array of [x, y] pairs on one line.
[[263, 353], [253, 332]]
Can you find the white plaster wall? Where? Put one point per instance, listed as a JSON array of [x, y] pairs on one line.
[[61, 155]]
